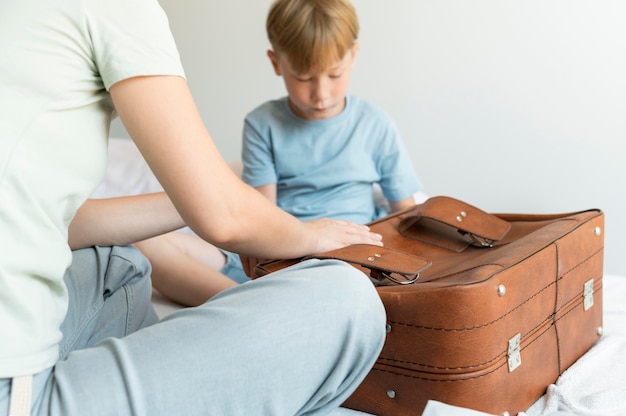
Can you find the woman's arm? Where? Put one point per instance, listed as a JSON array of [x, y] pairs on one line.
[[123, 220], [268, 191], [161, 117]]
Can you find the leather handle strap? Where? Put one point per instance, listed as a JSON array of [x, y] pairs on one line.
[[383, 263], [483, 228]]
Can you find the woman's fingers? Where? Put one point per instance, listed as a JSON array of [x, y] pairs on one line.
[[334, 234]]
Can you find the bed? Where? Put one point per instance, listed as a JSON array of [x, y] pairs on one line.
[[594, 386]]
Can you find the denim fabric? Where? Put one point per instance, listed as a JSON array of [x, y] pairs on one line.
[[233, 267], [296, 342]]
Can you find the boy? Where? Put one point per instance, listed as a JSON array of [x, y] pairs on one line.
[[319, 151]]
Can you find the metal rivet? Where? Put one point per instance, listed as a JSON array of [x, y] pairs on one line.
[[597, 231], [378, 255], [506, 414], [463, 214], [391, 394], [600, 331], [459, 218], [388, 328], [501, 290]]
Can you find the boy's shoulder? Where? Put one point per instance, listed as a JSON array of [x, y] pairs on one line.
[[270, 106], [367, 108]]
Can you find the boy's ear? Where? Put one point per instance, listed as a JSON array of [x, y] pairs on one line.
[[274, 61], [355, 49]]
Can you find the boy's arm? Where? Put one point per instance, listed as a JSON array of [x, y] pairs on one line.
[[402, 204]]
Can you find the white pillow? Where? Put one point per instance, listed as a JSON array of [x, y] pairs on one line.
[[127, 172]]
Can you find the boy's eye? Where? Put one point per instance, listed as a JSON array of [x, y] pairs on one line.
[[303, 77], [335, 76]]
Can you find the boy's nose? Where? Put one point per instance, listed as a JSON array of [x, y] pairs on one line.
[[320, 91]]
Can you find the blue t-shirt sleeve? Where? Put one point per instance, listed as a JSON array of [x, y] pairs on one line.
[[256, 154], [398, 179]]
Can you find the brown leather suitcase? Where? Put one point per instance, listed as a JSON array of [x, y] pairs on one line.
[[500, 306]]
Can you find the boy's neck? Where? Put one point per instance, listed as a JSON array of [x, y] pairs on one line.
[[294, 109]]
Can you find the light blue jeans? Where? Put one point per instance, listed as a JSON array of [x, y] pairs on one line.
[[296, 342], [233, 267]]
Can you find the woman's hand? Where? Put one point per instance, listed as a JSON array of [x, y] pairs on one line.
[[331, 235], [334, 234]]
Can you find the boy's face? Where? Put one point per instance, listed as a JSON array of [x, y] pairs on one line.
[[319, 93]]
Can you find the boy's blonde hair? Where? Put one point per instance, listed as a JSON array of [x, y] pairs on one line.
[[312, 33]]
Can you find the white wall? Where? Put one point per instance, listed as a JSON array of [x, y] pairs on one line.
[[513, 106]]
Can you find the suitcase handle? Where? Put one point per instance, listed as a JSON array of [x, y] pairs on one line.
[[483, 229], [383, 263]]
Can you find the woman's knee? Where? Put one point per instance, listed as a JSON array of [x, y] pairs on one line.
[[110, 294], [345, 292]]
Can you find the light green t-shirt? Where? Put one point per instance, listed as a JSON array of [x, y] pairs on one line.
[[59, 58]]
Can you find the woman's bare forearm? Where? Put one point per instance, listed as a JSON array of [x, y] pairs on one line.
[[160, 115], [123, 220]]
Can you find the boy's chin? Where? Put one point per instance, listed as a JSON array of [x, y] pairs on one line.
[[321, 114]]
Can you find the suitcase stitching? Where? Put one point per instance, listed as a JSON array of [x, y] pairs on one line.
[[477, 326], [463, 368], [552, 317]]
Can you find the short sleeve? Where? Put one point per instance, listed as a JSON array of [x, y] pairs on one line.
[[257, 155], [398, 178], [131, 38]]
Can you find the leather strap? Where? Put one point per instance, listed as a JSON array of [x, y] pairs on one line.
[[21, 394], [383, 263], [482, 228]]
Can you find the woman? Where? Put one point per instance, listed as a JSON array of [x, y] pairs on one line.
[[85, 340]]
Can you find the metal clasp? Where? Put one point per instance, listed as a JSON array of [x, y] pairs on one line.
[[476, 240], [480, 241], [514, 352], [381, 275], [588, 295]]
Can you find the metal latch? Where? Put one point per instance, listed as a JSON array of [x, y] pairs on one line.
[[514, 353], [588, 294]]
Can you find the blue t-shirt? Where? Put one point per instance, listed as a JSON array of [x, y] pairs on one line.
[[327, 168]]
